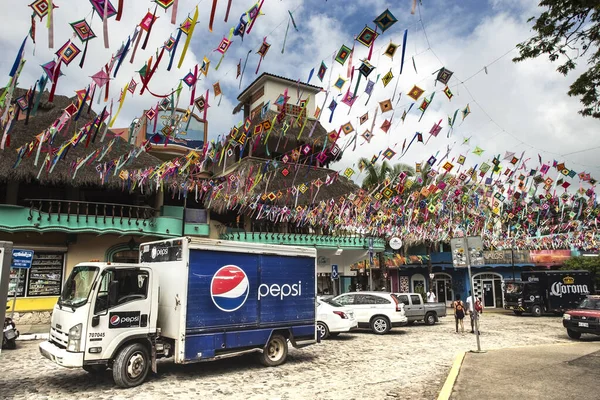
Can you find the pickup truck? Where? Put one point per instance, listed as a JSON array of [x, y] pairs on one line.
[[584, 319], [417, 310]]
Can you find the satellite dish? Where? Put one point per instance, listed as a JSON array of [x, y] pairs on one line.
[[395, 243]]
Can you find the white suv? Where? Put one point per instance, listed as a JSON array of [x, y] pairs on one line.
[[379, 311]]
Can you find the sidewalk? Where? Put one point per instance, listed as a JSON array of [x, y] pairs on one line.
[[558, 371], [33, 332]]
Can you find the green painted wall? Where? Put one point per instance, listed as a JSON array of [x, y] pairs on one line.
[[296, 239]]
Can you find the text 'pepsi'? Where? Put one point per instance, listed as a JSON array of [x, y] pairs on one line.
[[280, 291]]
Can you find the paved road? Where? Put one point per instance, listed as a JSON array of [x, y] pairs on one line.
[[559, 371], [408, 363]]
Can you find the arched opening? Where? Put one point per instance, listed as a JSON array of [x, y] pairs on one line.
[[442, 287], [124, 253], [418, 283], [488, 287]]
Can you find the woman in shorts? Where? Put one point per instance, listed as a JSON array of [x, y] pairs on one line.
[[459, 313]]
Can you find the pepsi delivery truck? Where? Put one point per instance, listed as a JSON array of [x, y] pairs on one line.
[[190, 299]]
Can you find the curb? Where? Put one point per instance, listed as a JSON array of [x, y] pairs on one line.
[[33, 336], [451, 379]]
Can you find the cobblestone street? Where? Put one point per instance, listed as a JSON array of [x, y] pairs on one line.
[[408, 363]]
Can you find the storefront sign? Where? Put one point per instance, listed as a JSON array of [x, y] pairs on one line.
[[549, 257], [505, 257], [22, 258]]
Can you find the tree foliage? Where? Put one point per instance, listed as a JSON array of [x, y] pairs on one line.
[[591, 264], [377, 173], [569, 31]]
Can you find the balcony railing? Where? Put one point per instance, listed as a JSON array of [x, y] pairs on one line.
[[98, 212], [299, 239]]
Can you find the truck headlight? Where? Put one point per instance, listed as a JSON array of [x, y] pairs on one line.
[[567, 317], [74, 343]]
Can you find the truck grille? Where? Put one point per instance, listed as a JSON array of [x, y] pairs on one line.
[[59, 337], [584, 319]]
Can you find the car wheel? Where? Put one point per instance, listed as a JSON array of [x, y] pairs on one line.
[[573, 335], [429, 318], [536, 311], [519, 313], [131, 365], [94, 369], [275, 352], [322, 330], [380, 325]]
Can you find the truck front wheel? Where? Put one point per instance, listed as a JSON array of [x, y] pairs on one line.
[[275, 352], [536, 310], [573, 335], [131, 365]]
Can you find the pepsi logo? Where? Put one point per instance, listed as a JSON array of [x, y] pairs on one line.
[[114, 320], [229, 288]]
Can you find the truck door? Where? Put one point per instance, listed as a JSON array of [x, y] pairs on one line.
[[125, 315], [417, 310]]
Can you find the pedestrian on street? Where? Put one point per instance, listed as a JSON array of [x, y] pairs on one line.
[[459, 313], [474, 310], [431, 296]]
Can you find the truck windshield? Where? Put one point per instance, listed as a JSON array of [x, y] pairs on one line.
[[77, 287], [590, 304], [514, 288]]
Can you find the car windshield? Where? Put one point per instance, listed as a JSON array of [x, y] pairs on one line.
[[77, 287], [514, 288], [590, 304], [331, 302]]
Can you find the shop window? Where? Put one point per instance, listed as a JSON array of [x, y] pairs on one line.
[[44, 278]]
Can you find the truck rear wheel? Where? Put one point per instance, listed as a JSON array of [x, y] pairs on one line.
[[131, 365], [429, 318], [573, 335], [536, 310], [275, 352]]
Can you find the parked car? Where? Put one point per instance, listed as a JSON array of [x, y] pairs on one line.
[[333, 318], [378, 311], [584, 319], [417, 310]]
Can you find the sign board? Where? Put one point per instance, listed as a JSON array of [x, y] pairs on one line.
[[460, 246], [395, 243], [334, 271], [21, 258]]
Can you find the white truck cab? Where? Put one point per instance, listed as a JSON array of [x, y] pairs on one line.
[[99, 300]]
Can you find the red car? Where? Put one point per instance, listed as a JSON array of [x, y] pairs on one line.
[[584, 319]]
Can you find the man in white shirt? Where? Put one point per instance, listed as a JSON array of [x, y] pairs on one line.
[[472, 311], [431, 296]]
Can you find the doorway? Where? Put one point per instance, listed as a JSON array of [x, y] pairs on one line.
[[488, 287], [442, 285]]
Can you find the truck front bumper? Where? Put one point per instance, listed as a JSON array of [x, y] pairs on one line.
[[60, 356]]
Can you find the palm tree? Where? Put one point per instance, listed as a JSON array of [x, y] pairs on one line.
[[378, 173]]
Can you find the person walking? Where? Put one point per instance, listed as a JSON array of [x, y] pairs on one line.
[[459, 313], [474, 310], [431, 296]]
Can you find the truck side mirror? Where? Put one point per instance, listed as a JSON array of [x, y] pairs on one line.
[[113, 293]]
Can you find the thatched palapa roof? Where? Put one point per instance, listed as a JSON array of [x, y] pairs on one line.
[[47, 113]]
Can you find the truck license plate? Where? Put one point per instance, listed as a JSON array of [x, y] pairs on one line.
[[584, 324]]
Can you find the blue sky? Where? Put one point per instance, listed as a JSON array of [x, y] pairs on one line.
[[515, 107]]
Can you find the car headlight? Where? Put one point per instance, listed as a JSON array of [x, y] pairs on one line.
[[74, 343], [567, 317]]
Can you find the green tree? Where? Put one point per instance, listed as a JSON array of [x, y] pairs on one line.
[[567, 31], [377, 173], [591, 264]]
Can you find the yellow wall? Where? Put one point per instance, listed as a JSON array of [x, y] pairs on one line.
[[33, 304]]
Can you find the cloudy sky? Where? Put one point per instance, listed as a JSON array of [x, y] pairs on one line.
[[514, 107]]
